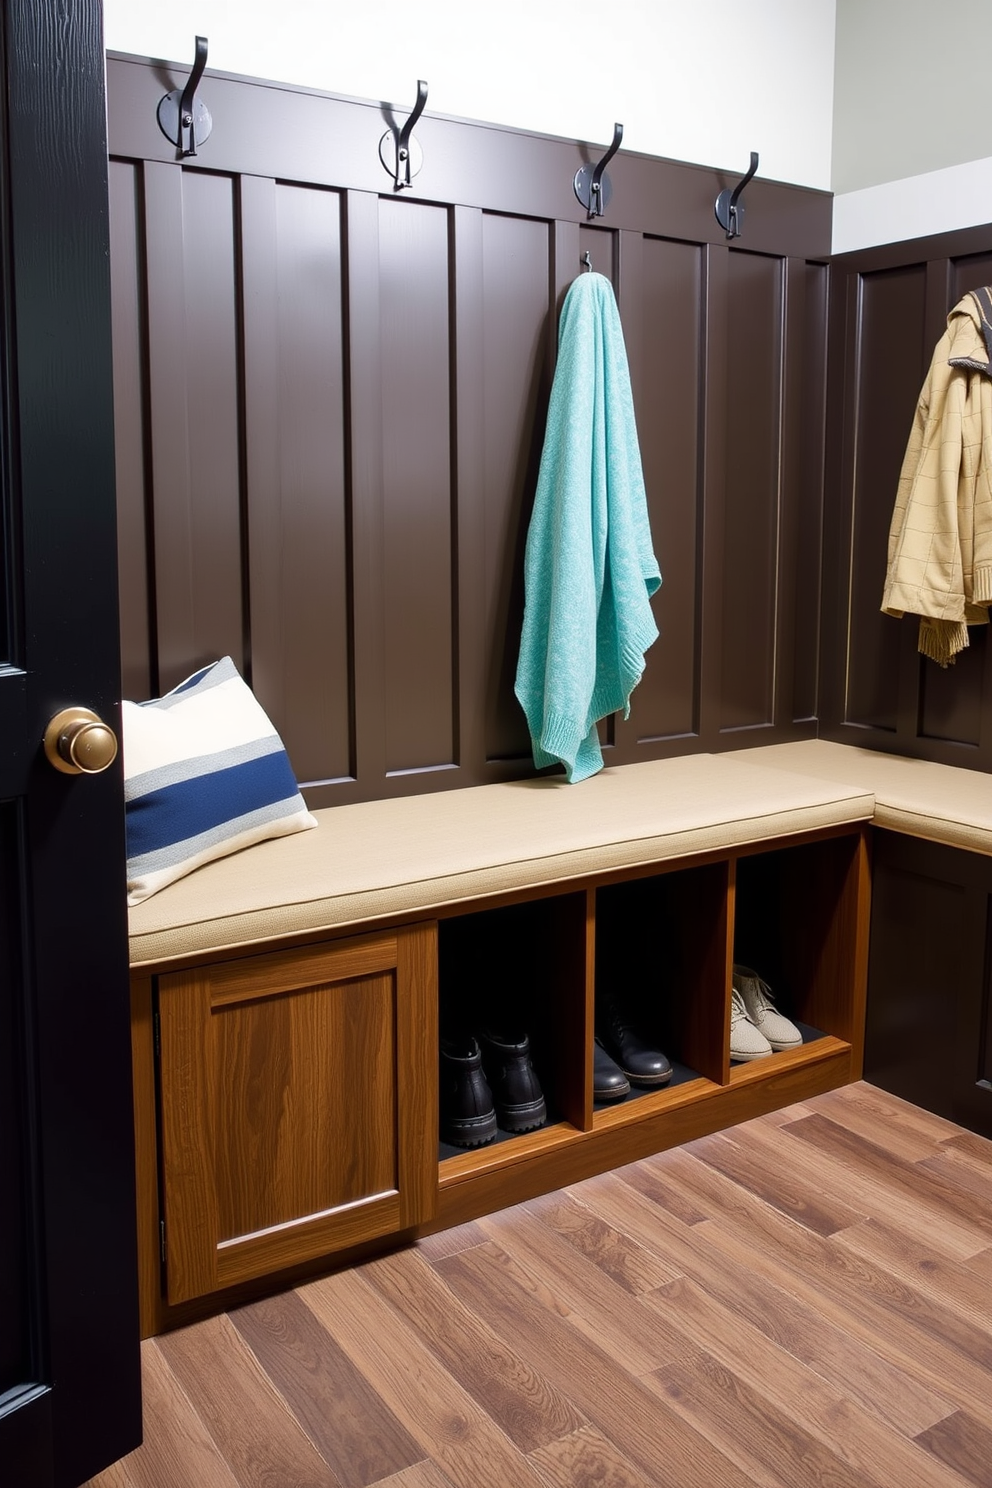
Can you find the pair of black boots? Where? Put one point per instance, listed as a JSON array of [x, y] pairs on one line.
[[487, 1083], [624, 1054]]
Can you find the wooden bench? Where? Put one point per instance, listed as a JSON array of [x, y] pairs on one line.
[[285, 1000]]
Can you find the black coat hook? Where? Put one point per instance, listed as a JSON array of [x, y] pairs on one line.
[[182, 117], [592, 184], [399, 152], [729, 215], [587, 261]]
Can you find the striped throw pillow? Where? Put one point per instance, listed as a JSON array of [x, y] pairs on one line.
[[205, 774]]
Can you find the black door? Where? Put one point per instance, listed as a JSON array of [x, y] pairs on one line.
[[69, 1368]]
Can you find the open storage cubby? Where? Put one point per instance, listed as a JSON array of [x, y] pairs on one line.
[[663, 942], [521, 969], [794, 923], [661, 956]]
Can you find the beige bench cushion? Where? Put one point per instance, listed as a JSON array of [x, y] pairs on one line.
[[943, 803], [419, 854]]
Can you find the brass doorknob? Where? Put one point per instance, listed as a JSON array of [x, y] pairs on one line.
[[78, 742]]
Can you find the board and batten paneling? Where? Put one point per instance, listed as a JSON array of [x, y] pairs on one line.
[[295, 490], [889, 309], [752, 490], [663, 308], [331, 404]]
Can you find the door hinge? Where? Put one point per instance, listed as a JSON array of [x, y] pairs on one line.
[[161, 1240]]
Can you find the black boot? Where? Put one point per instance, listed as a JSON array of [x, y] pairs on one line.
[[468, 1116], [640, 1059], [519, 1100]]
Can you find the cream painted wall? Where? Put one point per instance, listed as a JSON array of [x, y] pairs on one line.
[[706, 82], [910, 89], [914, 207], [912, 139]]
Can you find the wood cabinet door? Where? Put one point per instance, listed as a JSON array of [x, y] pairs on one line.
[[299, 1108]]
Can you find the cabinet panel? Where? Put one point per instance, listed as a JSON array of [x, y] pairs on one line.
[[297, 1111], [927, 1035], [277, 1116]]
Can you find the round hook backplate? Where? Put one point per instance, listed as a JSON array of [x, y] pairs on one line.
[[388, 147]]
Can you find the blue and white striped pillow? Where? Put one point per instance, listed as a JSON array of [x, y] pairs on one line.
[[205, 774]]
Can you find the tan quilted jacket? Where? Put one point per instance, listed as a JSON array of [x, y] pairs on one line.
[[940, 541]]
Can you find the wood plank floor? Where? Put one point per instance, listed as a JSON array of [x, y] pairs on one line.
[[802, 1300]]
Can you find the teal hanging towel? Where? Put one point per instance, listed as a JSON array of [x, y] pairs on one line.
[[589, 567]]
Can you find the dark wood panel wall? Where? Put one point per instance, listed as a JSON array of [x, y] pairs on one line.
[[330, 409], [888, 310]]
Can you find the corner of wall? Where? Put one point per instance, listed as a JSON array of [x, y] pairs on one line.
[[915, 207]]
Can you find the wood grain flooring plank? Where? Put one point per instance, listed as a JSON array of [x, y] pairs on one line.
[[586, 1459], [972, 1145], [963, 1444], [980, 1265], [891, 1123], [942, 1350], [852, 1429], [677, 1200], [565, 1281], [791, 1323], [346, 1420], [115, 1476], [630, 1415], [450, 1242], [770, 1446], [177, 1447], [840, 1176], [961, 1171], [905, 1323], [785, 1115], [773, 1453], [968, 1173], [949, 1282], [745, 1156], [894, 1175], [430, 1402], [523, 1404], [250, 1422], [423, 1475], [891, 1107], [623, 1260], [908, 1145]]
